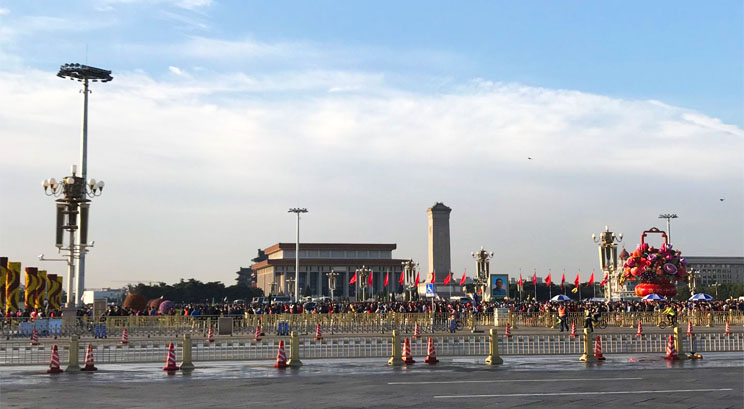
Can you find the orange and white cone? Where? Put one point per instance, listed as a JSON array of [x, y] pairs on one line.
[[258, 333], [34, 338], [210, 334], [416, 331], [671, 350], [318, 332], [639, 333], [89, 366], [431, 354], [728, 329], [54, 362], [573, 330], [598, 349], [124, 337], [407, 357], [281, 358], [689, 328], [170, 362], [507, 332]]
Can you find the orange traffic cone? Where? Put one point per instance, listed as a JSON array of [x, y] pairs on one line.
[[210, 334], [431, 354], [89, 360], [318, 332], [170, 362], [407, 357], [34, 338], [258, 333], [598, 349], [671, 350], [507, 332], [54, 363], [281, 358], [416, 331], [124, 337], [639, 333], [728, 329], [573, 330], [689, 328]]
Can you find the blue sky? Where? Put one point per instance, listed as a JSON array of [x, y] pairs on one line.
[[368, 113]]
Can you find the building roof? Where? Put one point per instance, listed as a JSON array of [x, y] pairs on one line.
[[439, 206], [328, 262], [331, 246]]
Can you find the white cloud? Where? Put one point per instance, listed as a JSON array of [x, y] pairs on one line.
[[4, 12], [218, 158], [175, 70]]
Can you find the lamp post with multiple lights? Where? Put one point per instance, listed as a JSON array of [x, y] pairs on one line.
[[409, 277], [297, 211], [362, 274], [607, 242], [482, 269], [72, 207], [332, 282]]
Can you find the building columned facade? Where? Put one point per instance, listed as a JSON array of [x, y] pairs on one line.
[[721, 270], [276, 272]]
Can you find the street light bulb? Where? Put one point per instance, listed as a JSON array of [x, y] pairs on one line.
[[45, 184], [594, 236], [92, 183], [69, 181], [53, 182], [100, 185], [621, 236]]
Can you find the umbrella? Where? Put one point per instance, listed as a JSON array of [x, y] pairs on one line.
[[560, 298], [701, 297], [653, 297]]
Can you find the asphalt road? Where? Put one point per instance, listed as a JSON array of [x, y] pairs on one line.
[[545, 382]]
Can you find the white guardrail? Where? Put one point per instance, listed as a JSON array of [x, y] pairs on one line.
[[237, 349]]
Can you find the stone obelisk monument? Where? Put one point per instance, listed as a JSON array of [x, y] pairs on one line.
[[439, 241]]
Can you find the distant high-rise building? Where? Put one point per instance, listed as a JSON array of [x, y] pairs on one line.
[[439, 240]]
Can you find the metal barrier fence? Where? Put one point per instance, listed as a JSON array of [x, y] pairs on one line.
[[348, 323], [15, 353]]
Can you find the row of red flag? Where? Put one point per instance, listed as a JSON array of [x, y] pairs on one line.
[[447, 279], [402, 278], [548, 280]]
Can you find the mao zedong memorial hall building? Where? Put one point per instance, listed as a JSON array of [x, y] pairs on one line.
[[275, 270]]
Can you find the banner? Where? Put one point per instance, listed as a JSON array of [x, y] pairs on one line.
[[32, 284], [12, 286], [3, 274], [55, 291], [41, 291]]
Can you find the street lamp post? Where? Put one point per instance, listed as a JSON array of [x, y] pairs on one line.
[[75, 202], [692, 282], [607, 242], [332, 281], [669, 217], [297, 211], [362, 274], [72, 216], [409, 276], [482, 269], [291, 286]]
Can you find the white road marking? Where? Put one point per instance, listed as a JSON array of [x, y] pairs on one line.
[[513, 380], [580, 393]]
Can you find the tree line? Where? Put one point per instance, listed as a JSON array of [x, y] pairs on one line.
[[194, 291]]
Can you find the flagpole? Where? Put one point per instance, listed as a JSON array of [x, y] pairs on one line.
[[534, 282]]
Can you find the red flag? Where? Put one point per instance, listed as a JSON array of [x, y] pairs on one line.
[[462, 280], [433, 276], [417, 279], [606, 277], [534, 279], [402, 277], [369, 280], [520, 282], [576, 282], [386, 278], [591, 279], [353, 279], [563, 280], [447, 278], [548, 280]]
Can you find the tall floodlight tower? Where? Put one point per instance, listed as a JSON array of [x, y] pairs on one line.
[[76, 189], [439, 239]]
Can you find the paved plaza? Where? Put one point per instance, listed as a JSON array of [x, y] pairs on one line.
[[538, 381]]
